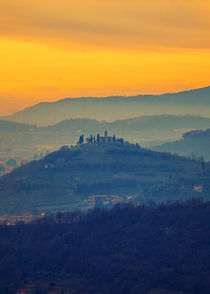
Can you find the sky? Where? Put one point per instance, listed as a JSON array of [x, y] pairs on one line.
[[53, 49]]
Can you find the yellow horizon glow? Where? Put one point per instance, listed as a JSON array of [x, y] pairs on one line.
[[63, 48]]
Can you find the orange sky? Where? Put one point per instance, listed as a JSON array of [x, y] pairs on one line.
[[53, 49]]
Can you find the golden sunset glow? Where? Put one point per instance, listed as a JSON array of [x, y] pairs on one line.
[[56, 49]]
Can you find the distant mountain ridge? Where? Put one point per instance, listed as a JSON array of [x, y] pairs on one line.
[[116, 107], [136, 123], [193, 143], [10, 126]]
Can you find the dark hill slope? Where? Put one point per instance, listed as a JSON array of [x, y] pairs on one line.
[[135, 250], [64, 179], [113, 108], [193, 143]]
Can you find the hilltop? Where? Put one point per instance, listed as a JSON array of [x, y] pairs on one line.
[[64, 179], [114, 108]]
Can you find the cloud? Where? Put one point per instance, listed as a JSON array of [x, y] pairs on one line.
[[59, 48], [111, 23]]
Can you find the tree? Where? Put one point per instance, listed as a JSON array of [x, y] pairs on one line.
[[98, 138], [11, 162], [2, 167], [81, 139], [114, 139]]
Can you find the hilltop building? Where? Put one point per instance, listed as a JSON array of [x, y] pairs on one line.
[[92, 139]]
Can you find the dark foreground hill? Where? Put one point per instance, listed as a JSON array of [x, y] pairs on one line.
[[195, 102], [193, 143], [65, 179], [135, 250]]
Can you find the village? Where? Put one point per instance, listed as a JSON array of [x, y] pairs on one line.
[[100, 201], [12, 220], [92, 139]]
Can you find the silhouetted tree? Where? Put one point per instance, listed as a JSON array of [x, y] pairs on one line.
[[11, 162], [98, 138]]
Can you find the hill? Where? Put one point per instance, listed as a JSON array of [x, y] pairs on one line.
[[132, 125], [24, 141], [195, 143], [9, 126], [114, 108], [17, 140], [65, 179], [148, 250]]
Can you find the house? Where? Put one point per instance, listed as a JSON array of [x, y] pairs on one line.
[[198, 188]]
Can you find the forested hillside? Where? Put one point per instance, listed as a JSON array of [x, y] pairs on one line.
[[147, 250], [65, 179]]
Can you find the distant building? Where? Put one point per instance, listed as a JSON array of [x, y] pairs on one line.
[[100, 139], [104, 199], [198, 188]]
